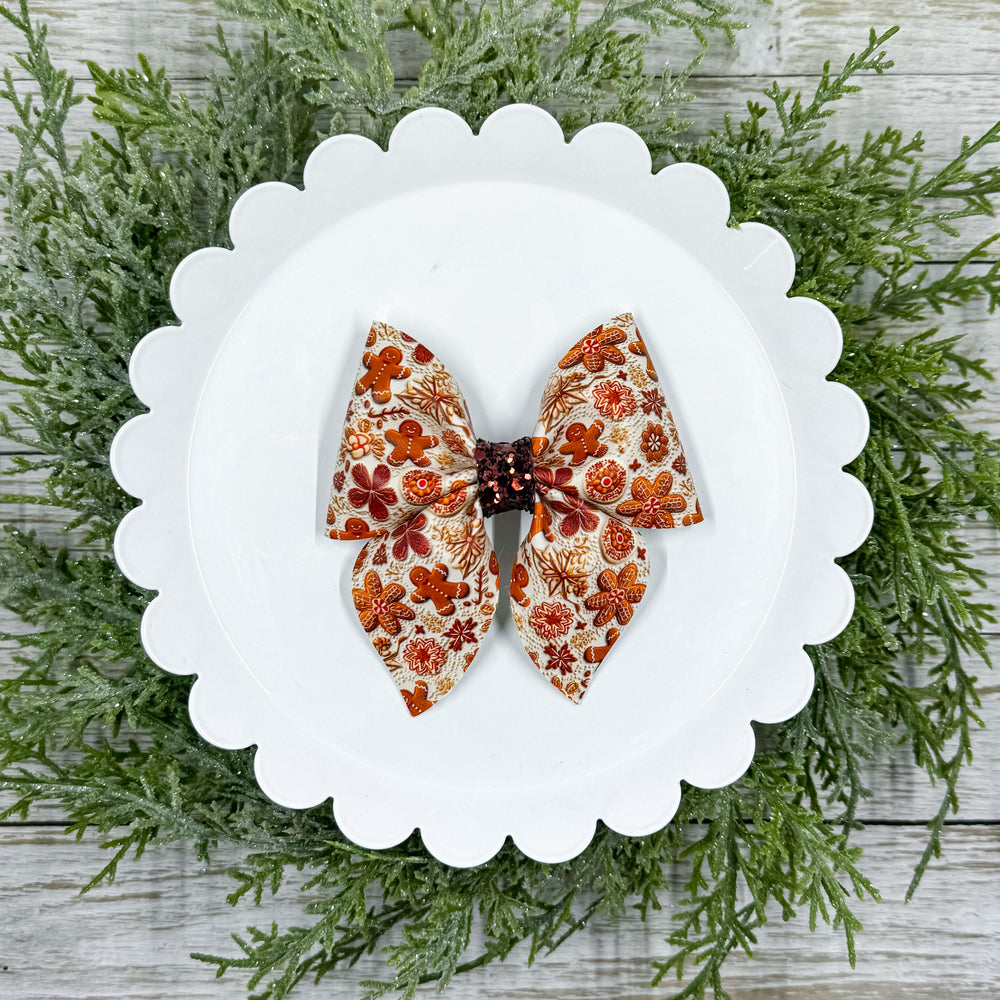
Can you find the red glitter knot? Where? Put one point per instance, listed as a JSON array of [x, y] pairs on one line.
[[504, 470]]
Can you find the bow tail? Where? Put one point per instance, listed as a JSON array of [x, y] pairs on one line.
[[425, 593], [574, 588]]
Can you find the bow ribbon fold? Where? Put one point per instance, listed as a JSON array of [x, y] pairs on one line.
[[604, 461]]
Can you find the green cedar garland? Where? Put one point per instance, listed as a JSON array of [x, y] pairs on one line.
[[89, 243]]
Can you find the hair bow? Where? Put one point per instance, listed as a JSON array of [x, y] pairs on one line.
[[604, 461]]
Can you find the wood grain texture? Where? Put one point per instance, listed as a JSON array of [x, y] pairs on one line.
[[132, 939], [954, 37]]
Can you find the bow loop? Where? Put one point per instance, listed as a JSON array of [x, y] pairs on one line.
[[426, 594], [607, 426], [406, 442]]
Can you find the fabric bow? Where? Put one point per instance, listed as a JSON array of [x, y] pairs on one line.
[[604, 461]]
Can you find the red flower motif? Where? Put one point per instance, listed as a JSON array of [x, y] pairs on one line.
[[613, 399], [652, 504], [605, 480], [578, 515], [653, 401], [679, 465], [372, 491], [595, 349], [553, 479], [617, 540], [422, 355], [561, 658], [617, 593], [379, 606], [420, 487], [338, 479], [424, 656], [460, 631], [410, 536], [550, 619]]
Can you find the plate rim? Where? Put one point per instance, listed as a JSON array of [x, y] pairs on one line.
[[757, 268]]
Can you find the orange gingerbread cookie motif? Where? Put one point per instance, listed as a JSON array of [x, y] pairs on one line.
[[382, 369], [603, 462], [408, 444], [582, 442], [432, 585]]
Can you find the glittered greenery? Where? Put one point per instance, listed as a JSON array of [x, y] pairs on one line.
[[90, 239]]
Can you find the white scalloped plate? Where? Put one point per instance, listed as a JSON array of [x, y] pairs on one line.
[[497, 251]]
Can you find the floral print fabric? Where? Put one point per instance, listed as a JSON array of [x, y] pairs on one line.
[[607, 462]]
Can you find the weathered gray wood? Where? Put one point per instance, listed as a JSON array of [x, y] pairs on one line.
[[132, 939], [792, 37]]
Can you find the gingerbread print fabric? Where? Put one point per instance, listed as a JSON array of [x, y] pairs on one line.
[[604, 461]]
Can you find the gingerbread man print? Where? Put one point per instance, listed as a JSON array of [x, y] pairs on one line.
[[582, 442], [433, 585], [596, 654], [409, 443], [382, 368]]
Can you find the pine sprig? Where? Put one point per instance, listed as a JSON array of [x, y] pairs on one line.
[[90, 241]]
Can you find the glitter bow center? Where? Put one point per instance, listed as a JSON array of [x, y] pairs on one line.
[[505, 471]]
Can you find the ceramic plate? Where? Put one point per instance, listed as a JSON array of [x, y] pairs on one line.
[[497, 251]]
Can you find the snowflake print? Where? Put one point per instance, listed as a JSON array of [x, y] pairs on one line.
[[551, 619], [460, 631], [613, 399], [560, 658], [424, 656], [562, 571], [653, 401]]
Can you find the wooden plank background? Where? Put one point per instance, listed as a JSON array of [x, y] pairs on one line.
[[132, 939]]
